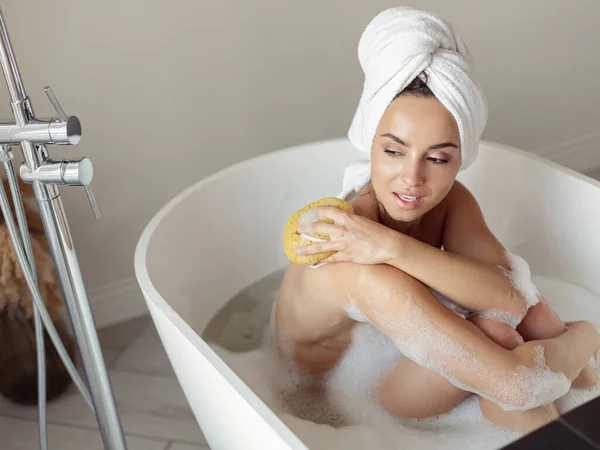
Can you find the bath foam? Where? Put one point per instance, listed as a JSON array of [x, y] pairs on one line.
[[578, 397], [526, 388], [349, 419], [501, 316], [464, 428], [354, 312], [522, 281], [554, 384]]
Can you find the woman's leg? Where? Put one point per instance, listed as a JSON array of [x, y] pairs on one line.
[[527, 421], [409, 390], [542, 322], [437, 339]]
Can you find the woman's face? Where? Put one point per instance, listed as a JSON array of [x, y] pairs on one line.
[[415, 157]]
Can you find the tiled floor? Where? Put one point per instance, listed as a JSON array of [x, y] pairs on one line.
[[152, 406]]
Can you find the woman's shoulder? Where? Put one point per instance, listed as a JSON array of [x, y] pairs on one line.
[[466, 231], [459, 199]]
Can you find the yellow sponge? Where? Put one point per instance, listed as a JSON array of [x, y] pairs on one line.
[[293, 240]]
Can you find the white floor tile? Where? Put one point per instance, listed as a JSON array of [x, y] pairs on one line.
[[178, 446], [115, 339], [24, 435], [149, 406], [146, 355]]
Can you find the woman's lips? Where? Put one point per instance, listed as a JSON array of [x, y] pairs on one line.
[[408, 201]]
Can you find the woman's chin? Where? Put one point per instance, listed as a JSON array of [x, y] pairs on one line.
[[400, 214]]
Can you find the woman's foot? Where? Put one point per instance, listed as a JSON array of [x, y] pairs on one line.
[[525, 421], [588, 378]]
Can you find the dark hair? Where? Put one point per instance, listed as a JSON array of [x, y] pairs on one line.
[[417, 87]]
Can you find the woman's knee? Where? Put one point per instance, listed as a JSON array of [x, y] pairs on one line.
[[499, 332], [411, 391], [541, 322]]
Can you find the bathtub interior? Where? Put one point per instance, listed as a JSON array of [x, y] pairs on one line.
[[224, 233]]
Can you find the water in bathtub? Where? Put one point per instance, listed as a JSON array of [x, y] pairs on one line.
[[340, 413]]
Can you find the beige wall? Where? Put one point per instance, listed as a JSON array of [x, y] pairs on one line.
[[170, 91]]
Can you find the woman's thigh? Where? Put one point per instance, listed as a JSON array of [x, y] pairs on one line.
[[410, 390]]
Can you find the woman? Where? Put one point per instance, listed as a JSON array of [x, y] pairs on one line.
[[389, 261]]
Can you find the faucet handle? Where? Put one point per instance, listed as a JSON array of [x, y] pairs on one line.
[[80, 173], [92, 200], [55, 104], [72, 172]]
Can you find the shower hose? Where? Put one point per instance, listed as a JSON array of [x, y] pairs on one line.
[[26, 260]]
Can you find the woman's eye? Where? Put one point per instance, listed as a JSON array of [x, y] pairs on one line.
[[395, 153], [438, 160]]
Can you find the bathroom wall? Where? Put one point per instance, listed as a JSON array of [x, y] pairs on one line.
[[171, 91]]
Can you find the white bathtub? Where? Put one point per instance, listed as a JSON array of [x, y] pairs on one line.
[[224, 232]]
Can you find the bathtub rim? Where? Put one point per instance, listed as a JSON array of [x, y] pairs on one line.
[[140, 269], [151, 294]]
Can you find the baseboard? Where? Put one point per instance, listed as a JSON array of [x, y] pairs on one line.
[[581, 153], [117, 302]]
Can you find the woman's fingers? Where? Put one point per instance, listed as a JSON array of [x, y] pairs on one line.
[[318, 247], [322, 228], [336, 257], [311, 224], [321, 212]]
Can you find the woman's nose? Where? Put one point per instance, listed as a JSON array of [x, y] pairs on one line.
[[412, 175]]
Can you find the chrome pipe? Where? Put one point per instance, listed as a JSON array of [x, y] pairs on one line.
[[10, 68], [44, 175], [65, 261], [49, 131]]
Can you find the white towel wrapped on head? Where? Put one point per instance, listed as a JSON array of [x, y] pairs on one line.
[[396, 47]]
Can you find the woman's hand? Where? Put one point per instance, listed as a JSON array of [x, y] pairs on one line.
[[354, 238]]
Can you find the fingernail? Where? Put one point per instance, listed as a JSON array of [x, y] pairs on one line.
[[308, 237]]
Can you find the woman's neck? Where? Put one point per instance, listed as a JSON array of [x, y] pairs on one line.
[[366, 204], [407, 228]]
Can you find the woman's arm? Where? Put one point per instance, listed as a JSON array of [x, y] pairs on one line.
[[533, 374], [473, 269]]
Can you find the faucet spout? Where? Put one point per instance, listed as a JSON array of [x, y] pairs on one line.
[[45, 131]]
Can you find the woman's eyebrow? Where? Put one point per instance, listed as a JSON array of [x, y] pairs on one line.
[[433, 147]]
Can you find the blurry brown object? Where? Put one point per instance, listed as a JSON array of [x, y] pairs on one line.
[[18, 359]]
